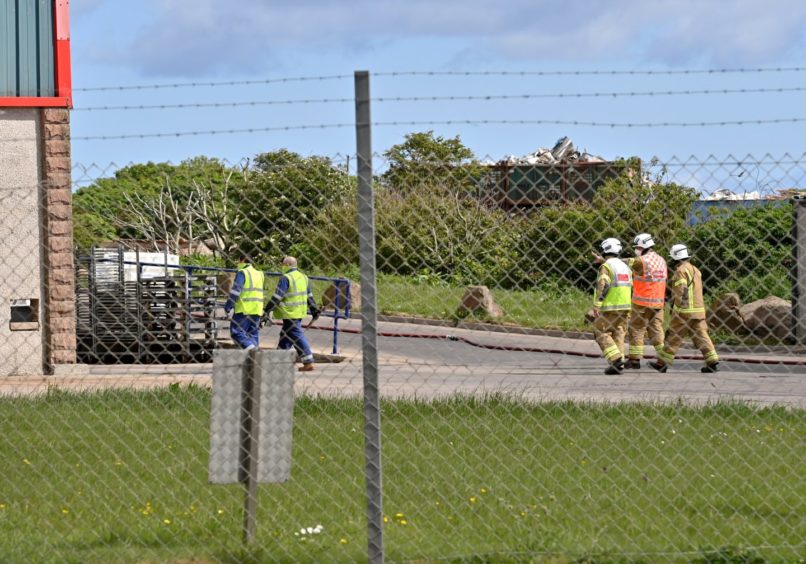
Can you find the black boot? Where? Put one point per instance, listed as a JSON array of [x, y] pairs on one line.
[[659, 367], [709, 368], [633, 364], [615, 368]]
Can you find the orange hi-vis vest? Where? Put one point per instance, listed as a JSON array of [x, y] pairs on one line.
[[649, 288]]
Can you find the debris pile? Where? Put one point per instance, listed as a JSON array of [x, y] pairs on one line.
[[563, 151]]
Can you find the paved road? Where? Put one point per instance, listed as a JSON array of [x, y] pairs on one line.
[[420, 366]]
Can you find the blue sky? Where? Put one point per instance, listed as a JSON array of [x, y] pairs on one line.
[[180, 41]]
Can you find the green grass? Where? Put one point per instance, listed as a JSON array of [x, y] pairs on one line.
[[559, 309], [121, 476]]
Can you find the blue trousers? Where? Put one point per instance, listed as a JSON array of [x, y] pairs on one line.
[[291, 335], [245, 329]]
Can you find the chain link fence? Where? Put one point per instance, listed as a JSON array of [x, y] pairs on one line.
[[501, 438]]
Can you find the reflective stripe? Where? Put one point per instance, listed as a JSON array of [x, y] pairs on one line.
[[611, 352]]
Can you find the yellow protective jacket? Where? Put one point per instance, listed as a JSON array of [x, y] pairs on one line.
[[687, 299]]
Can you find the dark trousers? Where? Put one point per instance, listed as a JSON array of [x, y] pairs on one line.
[[292, 335], [245, 330]]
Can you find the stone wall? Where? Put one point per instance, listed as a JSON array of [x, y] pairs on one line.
[[58, 278]]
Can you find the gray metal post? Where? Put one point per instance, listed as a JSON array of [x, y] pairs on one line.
[[250, 421], [799, 271], [369, 317]]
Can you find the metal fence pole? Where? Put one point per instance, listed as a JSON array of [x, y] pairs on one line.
[[799, 271], [250, 421], [369, 317]]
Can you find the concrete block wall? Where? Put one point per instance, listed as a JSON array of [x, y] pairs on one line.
[[21, 351], [36, 245]]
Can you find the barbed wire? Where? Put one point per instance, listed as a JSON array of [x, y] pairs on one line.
[[593, 72], [194, 133], [477, 97], [212, 83], [596, 123]]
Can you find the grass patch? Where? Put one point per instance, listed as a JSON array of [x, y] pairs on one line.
[[562, 308], [122, 476]]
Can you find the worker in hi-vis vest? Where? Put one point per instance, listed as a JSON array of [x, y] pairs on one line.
[[688, 314], [649, 273], [611, 305], [291, 301], [246, 301]]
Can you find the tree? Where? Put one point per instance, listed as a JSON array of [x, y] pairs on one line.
[[283, 194], [157, 202], [426, 159], [632, 203]]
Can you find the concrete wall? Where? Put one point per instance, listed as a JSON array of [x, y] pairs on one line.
[[20, 258]]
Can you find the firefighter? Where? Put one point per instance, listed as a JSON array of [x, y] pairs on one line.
[[611, 305], [688, 314], [649, 273], [246, 301]]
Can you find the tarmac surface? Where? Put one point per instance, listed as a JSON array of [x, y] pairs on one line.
[[426, 361]]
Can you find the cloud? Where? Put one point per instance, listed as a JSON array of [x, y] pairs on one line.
[[212, 37]]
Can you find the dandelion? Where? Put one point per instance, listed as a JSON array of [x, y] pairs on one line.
[[2, 505], [166, 521], [483, 491], [65, 511], [472, 499], [118, 463], [343, 541], [220, 511], [26, 461], [399, 515], [404, 522], [385, 519]]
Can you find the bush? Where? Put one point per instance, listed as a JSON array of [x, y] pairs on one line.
[[748, 246]]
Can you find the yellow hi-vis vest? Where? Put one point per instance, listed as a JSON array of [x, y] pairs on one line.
[[250, 302], [619, 292], [294, 304]]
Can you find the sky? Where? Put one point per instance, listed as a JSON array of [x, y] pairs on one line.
[[557, 61]]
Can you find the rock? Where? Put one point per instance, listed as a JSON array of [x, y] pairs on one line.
[[224, 281], [769, 316], [479, 298], [724, 314], [329, 296]]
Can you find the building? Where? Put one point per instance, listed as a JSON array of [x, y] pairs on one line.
[[37, 294]]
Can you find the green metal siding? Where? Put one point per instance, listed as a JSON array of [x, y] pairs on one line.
[[26, 48]]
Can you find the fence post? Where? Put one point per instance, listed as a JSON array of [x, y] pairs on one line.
[[369, 319], [248, 454], [799, 271]]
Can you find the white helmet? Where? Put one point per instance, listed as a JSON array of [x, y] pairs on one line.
[[643, 240], [611, 246], [679, 252]]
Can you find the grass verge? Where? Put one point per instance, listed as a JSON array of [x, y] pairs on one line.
[[122, 476]]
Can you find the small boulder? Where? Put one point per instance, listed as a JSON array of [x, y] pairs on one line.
[[724, 313], [333, 291], [769, 316], [479, 299]]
